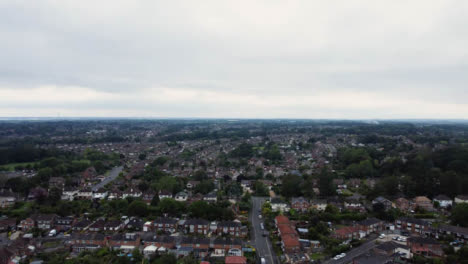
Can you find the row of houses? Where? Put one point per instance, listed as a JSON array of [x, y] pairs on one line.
[[196, 226], [151, 243]]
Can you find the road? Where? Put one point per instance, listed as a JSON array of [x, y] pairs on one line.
[[262, 244], [112, 175], [355, 252]]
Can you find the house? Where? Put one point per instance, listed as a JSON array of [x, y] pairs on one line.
[[461, 199], [97, 226], [44, 221], [166, 225], [69, 194], [7, 199], [148, 197], [197, 226], [387, 204], [210, 197], [235, 260], [85, 194], [290, 243], [135, 223], [353, 204], [413, 225], [87, 242], [126, 242], [199, 245], [64, 223], [231, 228], [224, 245], [278, 205], [402, 204], [389, 248], [132, 192], [112, 225], [319, 205], [115, 194], [37, 193], [100, 194], [192, 184], [282, 220], [460, 233], [425, 246], [164, 194], [81, 225], [371, 225], [7, 224], [89, 174], [181, 196], [423, 202], [150, 251], [300, 204], [347, 233], [443, 200], [56, 182], [167, 242]]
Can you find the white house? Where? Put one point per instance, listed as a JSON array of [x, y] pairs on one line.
[[443, 201], [181, 196], [278, 205]]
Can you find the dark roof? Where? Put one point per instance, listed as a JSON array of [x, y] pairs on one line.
[[197, 222], [369, 221], [165, 220], [227, 241], [442, 197], [423, 240], [229, 224], [88, 236], [413, 220], [390, 246]]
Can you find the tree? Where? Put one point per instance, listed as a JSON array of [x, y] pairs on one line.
[[138, 208], [142, 156], [260, 189], [290, 186], [460, 215], [165, 259], [326, 183]]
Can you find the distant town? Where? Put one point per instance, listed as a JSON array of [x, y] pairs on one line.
[[233, 191]]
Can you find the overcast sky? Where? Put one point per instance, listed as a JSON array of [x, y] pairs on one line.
[[234, 59]]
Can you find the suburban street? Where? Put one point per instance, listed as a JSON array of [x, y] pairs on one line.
[[355, 252], [262, 244], [112, 175]]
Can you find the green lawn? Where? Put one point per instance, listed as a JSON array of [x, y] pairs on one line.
[[11, 166]]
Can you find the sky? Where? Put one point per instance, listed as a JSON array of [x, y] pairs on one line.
[[234, 59]]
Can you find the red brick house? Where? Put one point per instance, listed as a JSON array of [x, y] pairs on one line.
[[197, 226], [424, 246], [347, 232]]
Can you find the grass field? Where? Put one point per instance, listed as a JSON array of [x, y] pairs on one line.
[[11, 166]]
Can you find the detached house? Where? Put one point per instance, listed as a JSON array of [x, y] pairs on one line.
[[164, 194], [300, 204], [461, 199], [423, 202], [278, 205], [443, 200]]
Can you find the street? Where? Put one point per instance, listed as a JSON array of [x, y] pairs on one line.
[[112, 175], [354, 252], [262, 244]]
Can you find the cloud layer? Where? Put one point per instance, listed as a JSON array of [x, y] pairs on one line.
[[246, 59]]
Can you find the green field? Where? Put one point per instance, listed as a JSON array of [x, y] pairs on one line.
[[11, 166]]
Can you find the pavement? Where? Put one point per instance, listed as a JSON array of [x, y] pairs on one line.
[[365, 247], [112, 175], [262, 244]]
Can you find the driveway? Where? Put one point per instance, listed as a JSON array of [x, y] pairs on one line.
[[262, 244]]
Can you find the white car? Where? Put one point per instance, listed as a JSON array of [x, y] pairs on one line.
[[337, 257], [260, 216], [382, 236], [342, 255]]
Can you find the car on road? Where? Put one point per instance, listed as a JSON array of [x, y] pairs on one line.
[[260, 216], [262, 261], [342, 255], [382, 236], [261, 226], [337, 257]]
